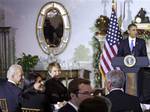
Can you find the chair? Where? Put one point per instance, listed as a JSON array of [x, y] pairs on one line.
[[147, 111], [126, 111], [3, 105], [30, 110]]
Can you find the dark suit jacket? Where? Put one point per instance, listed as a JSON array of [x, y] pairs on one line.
[[55, 91], [122, 101], [139, 50], [32, 98], [67, 108], [11, 92]]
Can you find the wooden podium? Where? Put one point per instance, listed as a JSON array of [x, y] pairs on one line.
[[130, 72]]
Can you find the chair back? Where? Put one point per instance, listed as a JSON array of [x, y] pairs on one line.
[[3, 105], [147, 110], [30, 110], [126, 111]]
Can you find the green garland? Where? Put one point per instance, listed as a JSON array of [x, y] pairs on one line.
[[101, 26], [96, 55], [145, 34]]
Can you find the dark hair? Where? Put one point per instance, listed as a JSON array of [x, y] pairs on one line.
[[95, 104], [53, 64], [31, 79], [131, 25], [33, 76], [99, 92], [74, 84]]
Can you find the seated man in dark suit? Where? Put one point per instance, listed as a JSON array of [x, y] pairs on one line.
[[95, 104], [10, 90], [79, 89], [132, 45], [120, 101], [34, 97]]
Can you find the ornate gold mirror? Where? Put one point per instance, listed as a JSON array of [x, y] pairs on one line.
[[53, 28]]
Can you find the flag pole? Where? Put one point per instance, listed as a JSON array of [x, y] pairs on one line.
[[114, 5]]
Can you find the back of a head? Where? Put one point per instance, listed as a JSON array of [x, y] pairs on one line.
[[117, 78], [12, 70], [95, 104]]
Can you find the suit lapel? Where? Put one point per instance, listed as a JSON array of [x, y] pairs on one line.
[[136, 46], [127, 45]]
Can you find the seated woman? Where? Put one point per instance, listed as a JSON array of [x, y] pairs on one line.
[[33, 96]]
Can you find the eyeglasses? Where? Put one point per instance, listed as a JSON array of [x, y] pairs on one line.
[[86, 93]]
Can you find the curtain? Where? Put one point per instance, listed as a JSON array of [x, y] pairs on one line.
[[7, 49]]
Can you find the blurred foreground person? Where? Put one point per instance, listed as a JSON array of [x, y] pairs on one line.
[[95, 104]]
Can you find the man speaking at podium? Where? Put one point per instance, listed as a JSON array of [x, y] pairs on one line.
[[132, 45], [136, 47]]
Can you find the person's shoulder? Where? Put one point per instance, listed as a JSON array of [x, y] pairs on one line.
[[64, 108], [12, 86], [2, 86], [108, 95], [132, 97], [124, 40], [67, 108], [50, 80], [140, 39], [30, 89], [2, 82]]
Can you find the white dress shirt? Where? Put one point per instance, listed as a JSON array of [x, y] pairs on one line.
[[130, 44], [134, 40]]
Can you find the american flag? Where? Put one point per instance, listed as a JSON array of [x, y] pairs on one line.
[[111, 43]]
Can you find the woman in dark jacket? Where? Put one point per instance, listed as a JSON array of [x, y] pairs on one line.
[[33, 96]]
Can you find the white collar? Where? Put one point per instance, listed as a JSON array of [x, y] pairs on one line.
[[75, 107], [130, 38], [117, 89], [12, 82]]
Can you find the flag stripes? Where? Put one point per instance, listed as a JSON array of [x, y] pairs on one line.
[[111, 43]]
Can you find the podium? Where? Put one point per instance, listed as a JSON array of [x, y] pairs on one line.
[[131, 72]]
